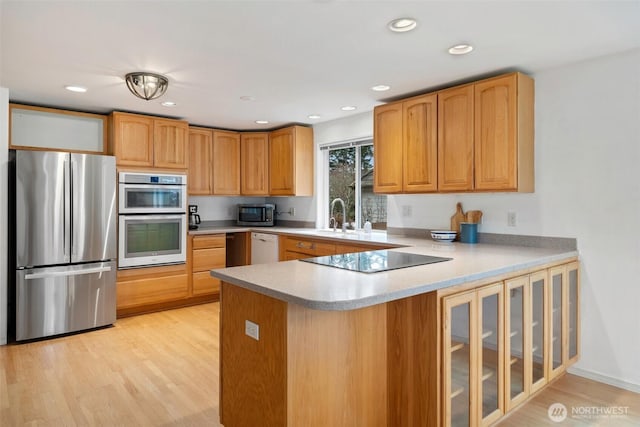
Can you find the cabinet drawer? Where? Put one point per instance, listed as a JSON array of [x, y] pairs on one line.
[[203, 283], [309, 247], [206, 259], [151, 290], [209, 241]]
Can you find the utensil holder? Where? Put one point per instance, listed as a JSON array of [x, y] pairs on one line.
[[468, 232]]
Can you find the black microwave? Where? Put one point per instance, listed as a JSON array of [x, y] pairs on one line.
[[259, 215]]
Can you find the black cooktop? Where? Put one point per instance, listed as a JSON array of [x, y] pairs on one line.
[[375, 261]]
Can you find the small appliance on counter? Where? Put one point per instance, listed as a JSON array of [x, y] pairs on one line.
[[256, 215], [194, 218]]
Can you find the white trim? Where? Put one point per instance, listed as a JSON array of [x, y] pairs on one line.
[[606, 379], [346, 143], [4, 173]]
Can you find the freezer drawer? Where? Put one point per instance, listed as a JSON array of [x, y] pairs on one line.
[[57, 300]]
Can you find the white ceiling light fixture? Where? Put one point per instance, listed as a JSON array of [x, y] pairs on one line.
[[460, 49], [348, 108], [77, 89], [168, 104], [247, 98], [147, 86], [262, 122], [402, 25], [380, 88], [313, 116]]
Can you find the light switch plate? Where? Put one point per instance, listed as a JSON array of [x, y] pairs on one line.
[[252, 329]]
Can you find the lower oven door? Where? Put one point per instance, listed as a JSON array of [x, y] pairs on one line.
[[147, 240]]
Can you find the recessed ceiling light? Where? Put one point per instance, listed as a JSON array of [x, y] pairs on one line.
[[78, 89], [402, 25], [460, 49], [313, 116], [348, 108], [247, 98], [380, 88], [262, 122], [168, 104]]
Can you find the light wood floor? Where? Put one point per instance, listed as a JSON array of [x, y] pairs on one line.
[[161, 369]]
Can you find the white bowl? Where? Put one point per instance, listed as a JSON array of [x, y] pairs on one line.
[[443, 235]]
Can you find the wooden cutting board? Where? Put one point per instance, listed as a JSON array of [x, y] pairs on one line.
[[457, 218]]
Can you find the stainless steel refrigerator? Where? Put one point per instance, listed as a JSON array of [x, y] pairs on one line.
[[63, 213]]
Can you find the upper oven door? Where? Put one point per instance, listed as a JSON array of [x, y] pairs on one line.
[[145, 198]]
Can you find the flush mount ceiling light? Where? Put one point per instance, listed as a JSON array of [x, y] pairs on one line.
[[460, 49], [348, 108], [168, 104], [247, 98], [402, 25], [78, 89], [262, 122], [147, 86], [381, 88], [313, 116]]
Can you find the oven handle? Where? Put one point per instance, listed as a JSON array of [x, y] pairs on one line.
[[154, 186], [146, 216]]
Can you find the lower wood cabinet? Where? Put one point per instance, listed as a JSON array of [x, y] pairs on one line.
[[208, 252], [298, 248]]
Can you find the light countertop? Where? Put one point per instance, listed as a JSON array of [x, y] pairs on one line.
[[328, 288]]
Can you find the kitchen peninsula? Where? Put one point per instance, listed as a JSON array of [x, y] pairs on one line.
[[464, 340]]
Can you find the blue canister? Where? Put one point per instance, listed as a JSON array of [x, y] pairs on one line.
[[468, 232]]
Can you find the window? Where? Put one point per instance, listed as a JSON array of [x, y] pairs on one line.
[[350, 178]]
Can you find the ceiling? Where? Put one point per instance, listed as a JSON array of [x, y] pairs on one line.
[[295, 58]]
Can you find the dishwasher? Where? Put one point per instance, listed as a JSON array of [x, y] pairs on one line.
[[264, 248]]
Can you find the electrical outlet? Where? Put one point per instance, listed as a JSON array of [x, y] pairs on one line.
[[292, 211], [252, 330], [511, 219], [406, 210]]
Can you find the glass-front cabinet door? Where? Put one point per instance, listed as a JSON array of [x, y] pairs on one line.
[[459, 351], [557, 320], [491, 351], [573, 312], [517, 340], [538, 329]]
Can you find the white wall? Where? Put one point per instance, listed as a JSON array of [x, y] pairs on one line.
[[216, 208], [4, 147], [587, 186]]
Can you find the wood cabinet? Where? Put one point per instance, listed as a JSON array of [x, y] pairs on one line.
[[225, 163], [144, 141], [199, 173], [208, 252], [304, 247], [484, 134], [455, 139], [291, 162], [405, 146], [254, 164]]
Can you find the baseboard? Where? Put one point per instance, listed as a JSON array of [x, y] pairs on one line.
[[605, 379]]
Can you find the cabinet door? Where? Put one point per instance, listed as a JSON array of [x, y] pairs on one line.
[[420, 144], [490, 353], [170, 143], [455, 139], [199, 174], [517, 341], [226, 163], [387, 148], [254, 164], [459, 347], [539, 331], [557, 321], [495, 136], [573, 313], [132, 139], [281, 163]]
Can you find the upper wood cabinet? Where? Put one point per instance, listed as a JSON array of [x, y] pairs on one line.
[[225, 163], [484, 136], [504, 133], [199, 173], [254, 164], [405, 146], [291, 162], [455, 139], [138, 140]]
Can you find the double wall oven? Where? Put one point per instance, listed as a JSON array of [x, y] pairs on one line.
[[152, 220]]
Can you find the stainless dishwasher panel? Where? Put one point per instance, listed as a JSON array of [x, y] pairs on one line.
[[264, 248], [57, 300]]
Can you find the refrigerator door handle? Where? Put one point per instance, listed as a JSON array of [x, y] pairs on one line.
[[66, 209], [73, 169], [35, 276]]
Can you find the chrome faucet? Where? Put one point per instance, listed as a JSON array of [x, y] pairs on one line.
[[344, 215]]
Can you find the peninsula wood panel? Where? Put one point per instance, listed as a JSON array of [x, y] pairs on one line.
[[337, 360], [387, 148], [253, 374], [132, 139], [420, 144], [254, 160], [170, 139], [199, 173], [226, 163], [455, 139]]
